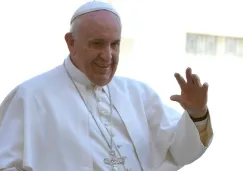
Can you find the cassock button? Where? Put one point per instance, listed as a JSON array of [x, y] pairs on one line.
[[104, 112], [98, 99]]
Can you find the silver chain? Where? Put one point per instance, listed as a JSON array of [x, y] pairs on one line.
[[90, 111]]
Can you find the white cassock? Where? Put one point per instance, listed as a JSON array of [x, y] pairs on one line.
[[45, 126]]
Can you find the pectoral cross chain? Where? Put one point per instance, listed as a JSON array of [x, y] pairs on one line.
[[114, 161]]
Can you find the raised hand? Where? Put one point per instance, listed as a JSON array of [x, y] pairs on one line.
[[193, 96]]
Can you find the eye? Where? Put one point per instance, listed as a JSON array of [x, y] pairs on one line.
[[97, 44], [115, 44]]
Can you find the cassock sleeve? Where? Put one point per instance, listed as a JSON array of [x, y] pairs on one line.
[[178, 132], [11, 132], [189, 144], [205, 131]]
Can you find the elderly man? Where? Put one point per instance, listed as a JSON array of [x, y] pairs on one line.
[[79, 117]]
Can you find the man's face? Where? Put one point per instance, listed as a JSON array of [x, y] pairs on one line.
[[94, 46]]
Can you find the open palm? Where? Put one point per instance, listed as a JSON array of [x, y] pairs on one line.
[[193, 96]]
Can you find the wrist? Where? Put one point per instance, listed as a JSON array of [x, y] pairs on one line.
[[199, 119]]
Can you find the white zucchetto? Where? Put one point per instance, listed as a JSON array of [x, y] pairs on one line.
[[93, 6]]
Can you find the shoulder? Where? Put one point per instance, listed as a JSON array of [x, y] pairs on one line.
[[38, 83], [44, 78], [133, 85]]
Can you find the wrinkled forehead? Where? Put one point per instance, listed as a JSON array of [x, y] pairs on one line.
[[99, 20], [99, 24]]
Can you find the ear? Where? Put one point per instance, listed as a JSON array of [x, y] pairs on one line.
[[70, 42]]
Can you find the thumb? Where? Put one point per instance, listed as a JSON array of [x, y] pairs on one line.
[[176, 98]]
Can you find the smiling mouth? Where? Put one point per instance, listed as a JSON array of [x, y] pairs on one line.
[[102, 66]]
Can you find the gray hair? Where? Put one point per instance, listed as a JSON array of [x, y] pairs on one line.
[[75, 24]]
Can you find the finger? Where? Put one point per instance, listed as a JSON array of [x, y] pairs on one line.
[[205, 87], [181, 81], [196, 80], [176, 98], [189, 78]]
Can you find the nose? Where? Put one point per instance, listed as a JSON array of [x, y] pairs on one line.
[[107, 54]]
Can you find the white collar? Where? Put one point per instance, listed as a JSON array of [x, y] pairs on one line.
[[79, 76]]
